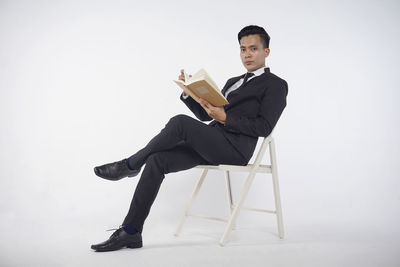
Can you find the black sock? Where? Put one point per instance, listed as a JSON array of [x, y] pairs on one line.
[[129, 229], [127, 164]]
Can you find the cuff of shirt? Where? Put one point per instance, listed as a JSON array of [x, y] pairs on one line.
[[184, 97]]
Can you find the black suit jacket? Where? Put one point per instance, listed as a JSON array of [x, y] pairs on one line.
[[253, 110]]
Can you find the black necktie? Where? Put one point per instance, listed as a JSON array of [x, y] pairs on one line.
[[246, 77]]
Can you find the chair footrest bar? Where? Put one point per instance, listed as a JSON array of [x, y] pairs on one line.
[[207, 217], [259, 210]]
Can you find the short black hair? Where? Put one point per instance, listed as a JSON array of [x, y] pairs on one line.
[[254, 29]]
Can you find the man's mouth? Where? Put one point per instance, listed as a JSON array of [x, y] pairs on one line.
[[248, 62]]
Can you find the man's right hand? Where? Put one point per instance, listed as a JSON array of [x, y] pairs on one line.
[[182, 78]]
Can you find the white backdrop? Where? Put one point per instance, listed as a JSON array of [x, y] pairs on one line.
[[83, 83]]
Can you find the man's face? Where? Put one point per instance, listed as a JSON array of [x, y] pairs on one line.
[[252, 52]]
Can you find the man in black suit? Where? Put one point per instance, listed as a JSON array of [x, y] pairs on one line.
[[256, 101]]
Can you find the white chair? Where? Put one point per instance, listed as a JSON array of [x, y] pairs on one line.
[[252, 169]]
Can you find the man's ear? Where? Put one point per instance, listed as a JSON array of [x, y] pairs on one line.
[[266, 51]]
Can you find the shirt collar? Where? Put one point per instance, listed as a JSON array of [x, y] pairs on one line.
[[259, 71]]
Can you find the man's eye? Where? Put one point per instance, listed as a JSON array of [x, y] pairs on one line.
[[254, 48]]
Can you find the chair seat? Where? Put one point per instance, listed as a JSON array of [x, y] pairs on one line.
[[262, 168]]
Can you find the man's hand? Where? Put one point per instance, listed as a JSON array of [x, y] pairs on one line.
[[217, 113], [182, 78]]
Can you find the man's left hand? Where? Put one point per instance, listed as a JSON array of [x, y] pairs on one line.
[[217, 113]]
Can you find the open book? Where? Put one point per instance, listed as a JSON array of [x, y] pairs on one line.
[[200, 85]]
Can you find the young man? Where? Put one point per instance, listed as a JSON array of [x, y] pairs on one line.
[[256, 101]]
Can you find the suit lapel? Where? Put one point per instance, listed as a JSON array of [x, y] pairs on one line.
[[233, 80], [240, 87], [266, 72], [230, 83], [234, 96]]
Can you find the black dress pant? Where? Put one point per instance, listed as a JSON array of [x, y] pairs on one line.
[[183, 143]]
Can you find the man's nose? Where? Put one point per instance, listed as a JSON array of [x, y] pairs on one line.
[[247, 54]]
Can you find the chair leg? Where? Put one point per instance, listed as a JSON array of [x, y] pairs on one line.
[[191, 201], [237, 208], [275, 182], [229, 194]]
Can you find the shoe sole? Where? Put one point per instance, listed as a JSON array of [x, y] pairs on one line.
[[110, 179], [132, 245], [135, 245], [133, 175]]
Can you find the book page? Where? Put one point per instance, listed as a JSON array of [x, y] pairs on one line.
[[202, 75], [198, 75], [210, 81]]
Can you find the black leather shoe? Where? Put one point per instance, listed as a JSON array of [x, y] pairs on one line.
[[120, 239], [115, 171]]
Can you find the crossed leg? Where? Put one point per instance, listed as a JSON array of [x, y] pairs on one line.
[[183, 143]]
